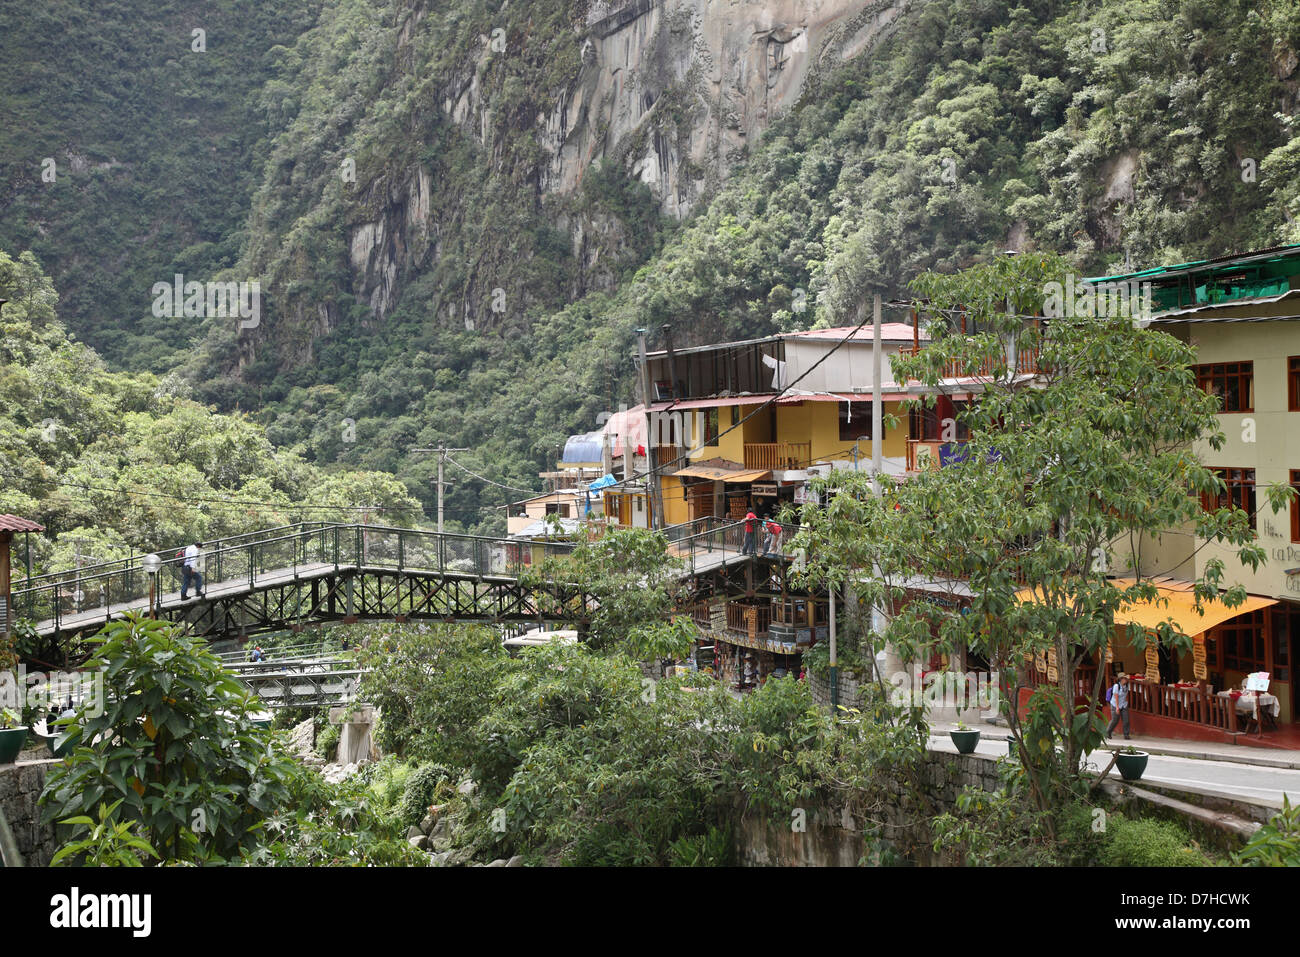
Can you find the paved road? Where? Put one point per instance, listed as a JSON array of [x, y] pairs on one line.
[[1254, 783]]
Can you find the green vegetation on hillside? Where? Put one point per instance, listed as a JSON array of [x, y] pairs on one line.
[[109, 461], [1118, 130], [155, 146]]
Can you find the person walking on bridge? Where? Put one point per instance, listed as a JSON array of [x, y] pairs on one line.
[[192, 571], [772, 540], [751, 526]]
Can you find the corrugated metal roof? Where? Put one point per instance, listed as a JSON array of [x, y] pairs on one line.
[[12, 523], [1220, 262], [889, 332]]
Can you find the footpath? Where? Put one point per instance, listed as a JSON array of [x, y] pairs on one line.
[[1261, 777]]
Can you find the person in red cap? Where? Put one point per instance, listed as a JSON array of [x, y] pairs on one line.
[[751, 525]]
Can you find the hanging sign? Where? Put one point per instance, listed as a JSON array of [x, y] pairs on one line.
[[1040, 662], [1153, 663], [718, 616], [1199, 671], [765, 489], [1110, 653], [1052, 673]]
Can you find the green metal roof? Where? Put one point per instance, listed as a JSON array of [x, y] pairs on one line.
[[1210, 282], [1260, 256]]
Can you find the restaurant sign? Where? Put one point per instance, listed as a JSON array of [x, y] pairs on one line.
[[1153, 663], [767, 489], [1199, 671]]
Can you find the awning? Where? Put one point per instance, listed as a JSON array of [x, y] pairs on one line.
[[1176, 603], [1179, 605], [724, 475]]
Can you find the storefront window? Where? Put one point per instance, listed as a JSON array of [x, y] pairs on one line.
[[1243, 642]]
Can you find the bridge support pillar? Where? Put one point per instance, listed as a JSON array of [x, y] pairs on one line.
[[355, 743]]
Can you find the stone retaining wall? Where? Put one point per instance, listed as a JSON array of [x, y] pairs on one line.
[[850, 689], [835, 839], [20, 786]]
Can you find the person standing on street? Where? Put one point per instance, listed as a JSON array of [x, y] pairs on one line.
[[1118, 698], [192, 571]]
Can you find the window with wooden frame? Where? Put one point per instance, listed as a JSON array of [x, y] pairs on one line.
[[710, 423], [1238, 492], [1295, 505], [1242, 640], [927, 425], [1232, 382], [1293, 383]]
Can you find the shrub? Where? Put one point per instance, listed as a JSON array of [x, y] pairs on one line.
[[327, 741], [424, 787], [1277, 843], [1142, 842], [188, 771]]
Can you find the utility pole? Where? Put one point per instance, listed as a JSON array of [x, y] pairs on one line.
[[877, 399], [442, 451], [653, 503]]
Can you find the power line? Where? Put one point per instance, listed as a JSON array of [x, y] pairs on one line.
[[189, 499], [483, 478]]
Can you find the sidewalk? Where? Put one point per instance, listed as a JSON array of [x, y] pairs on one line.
[[1233, 772], [1200, 750]]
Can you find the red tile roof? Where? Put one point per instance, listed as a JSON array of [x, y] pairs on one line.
[[12, 523]]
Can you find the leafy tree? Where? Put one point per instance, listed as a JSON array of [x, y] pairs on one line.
[[173, 749], [630, 575], [1054, 475]]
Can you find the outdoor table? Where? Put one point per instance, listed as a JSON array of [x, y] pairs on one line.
[[1249, 703]]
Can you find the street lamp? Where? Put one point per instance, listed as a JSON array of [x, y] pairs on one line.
[[151, 564]]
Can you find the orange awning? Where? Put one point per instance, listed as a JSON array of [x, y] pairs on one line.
[[724, 475], [1177, 604]]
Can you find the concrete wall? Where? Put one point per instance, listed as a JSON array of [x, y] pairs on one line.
[[20, 786]]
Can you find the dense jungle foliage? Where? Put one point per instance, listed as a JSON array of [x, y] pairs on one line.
[[1144, 131]]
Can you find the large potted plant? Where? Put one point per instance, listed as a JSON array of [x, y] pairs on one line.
[[1131, 763], [13, 735], [964, 738]]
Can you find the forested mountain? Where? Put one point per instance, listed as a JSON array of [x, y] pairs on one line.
[[460, 211], [109, 461]]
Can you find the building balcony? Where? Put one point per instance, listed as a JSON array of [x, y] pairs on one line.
[[779, 456]]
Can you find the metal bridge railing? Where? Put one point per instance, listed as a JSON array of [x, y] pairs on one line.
[[284, 551]]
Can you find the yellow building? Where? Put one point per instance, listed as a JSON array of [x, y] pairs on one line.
[[743, 425], [1242, 315]]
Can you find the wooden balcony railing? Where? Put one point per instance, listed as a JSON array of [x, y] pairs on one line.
[[778, 455], [1196, 705], [990, 366], [750, 620], [668, 457]]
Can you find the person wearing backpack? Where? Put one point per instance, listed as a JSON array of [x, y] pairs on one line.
[[1117, 698], [192, 570]]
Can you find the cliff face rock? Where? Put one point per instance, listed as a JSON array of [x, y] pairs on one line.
[[678, 90], [673, 93]]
